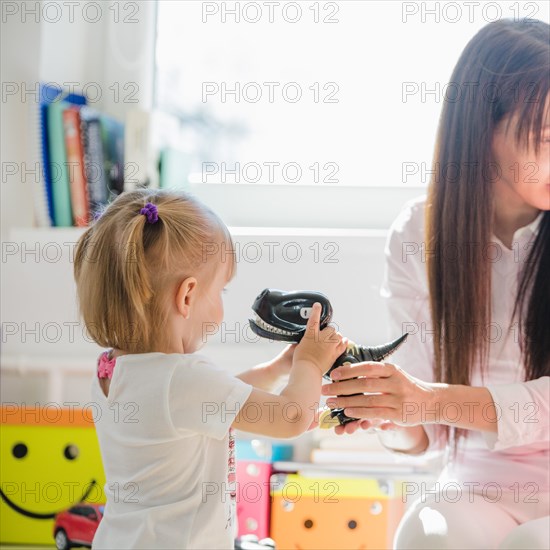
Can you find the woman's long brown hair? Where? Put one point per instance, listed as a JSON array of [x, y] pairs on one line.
[[503, 72]]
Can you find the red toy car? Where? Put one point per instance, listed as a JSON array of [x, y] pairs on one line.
[[77, 525]]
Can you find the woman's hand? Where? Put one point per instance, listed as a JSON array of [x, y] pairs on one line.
[[402, 401], [399, 398]]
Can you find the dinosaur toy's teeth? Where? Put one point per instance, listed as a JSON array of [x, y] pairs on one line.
[[270, 328]]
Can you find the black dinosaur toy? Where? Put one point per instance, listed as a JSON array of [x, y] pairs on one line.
[[283, 316]]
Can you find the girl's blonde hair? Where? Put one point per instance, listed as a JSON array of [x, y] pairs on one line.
[[126, 269]]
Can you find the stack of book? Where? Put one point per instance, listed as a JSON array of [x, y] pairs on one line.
[[81, 156], [363, 451]]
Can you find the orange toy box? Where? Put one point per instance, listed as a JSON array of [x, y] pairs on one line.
[[49, 461], [319, 513]]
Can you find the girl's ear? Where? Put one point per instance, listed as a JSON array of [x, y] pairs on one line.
[[185, 296]]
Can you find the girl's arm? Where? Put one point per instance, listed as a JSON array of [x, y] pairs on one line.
[[267, 376], [292, 411]]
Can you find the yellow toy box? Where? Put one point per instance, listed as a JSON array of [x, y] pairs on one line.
[[49, 461], [319, 513]]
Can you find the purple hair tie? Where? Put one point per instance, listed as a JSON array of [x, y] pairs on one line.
[[150, 211]]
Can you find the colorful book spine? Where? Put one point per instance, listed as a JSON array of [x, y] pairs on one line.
[[112, 133], [75, 166], [46, 97], [42, 215], [58, 165], [51, 138], [94, 163], [82, 154]]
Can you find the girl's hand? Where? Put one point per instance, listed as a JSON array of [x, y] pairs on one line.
[[400, 398], [282, 363], [321, 348], [267, 376]]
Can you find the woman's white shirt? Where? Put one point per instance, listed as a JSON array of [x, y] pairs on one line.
[[519, 451]]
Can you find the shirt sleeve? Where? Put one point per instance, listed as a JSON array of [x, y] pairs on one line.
[[405, 290], [204, 399], [523, 414]]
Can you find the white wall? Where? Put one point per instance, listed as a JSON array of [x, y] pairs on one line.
[[41, 329], [17, 69], [45, 354]]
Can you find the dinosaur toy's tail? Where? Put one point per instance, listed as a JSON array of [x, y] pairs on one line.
[[356, 354], [381, 352]]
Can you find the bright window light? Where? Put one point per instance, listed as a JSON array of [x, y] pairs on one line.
[[333, 93]]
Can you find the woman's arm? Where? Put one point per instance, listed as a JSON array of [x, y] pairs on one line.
[[407, 401], [523, 411], [510, 415], [413, 440]]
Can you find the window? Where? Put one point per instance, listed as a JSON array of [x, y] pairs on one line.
[[332, 94], [84, 511]]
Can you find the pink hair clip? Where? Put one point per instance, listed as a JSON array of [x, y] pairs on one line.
[[105, 365]]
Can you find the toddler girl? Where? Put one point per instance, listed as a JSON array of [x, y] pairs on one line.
[[147, 290]]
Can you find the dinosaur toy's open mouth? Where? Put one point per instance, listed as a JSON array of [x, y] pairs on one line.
[[258, 324], [283, 315]]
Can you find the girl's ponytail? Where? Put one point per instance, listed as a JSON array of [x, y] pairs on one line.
[[133, 266]]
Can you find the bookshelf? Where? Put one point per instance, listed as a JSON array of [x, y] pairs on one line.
[[96, 54]]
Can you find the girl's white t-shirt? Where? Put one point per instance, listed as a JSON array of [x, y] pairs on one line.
[[167, 447]]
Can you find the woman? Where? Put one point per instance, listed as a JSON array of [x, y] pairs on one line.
[[468, 275]]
